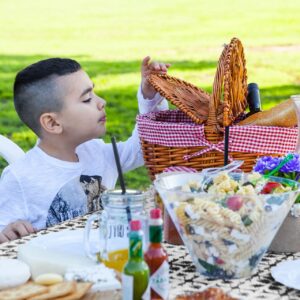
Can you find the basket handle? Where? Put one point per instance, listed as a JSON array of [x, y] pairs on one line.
[[214, 103], [229, 88]]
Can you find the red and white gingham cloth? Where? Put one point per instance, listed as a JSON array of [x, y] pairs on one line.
[[179, 169], [172, 128]]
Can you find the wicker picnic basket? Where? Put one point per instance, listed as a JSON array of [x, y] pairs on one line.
[[193, 136]]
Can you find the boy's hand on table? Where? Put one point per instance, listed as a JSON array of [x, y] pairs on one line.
[[148, 68], [16, 230]]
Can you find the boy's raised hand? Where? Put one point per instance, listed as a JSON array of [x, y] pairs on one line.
[[16, 230], [148, 68]]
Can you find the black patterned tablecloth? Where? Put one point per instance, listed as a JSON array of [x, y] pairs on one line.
[[183, 275]]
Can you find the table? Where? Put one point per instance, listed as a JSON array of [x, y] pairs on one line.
[[183, 276]]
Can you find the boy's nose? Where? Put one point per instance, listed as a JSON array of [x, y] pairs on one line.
[[101, 103]]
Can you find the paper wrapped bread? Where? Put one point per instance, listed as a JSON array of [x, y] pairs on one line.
[[283, 115]]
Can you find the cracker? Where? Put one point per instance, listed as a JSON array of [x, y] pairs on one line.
[[24, 291], [81, 289], [57, 290]]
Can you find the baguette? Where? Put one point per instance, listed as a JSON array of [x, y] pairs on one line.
[[282, 115]]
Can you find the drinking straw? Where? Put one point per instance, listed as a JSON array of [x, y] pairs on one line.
[[117, 159], [121, 178], [226, 145]]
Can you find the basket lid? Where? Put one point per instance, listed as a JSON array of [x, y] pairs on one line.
[[190, 99], [228, 99]]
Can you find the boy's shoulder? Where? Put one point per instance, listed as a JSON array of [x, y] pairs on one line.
[[24, 163], [35, 160], [91, 147], [92, 143]]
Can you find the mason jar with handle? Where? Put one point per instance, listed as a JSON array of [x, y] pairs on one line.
[[113, 226]]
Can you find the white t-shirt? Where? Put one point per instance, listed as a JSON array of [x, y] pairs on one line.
[[45, 191]]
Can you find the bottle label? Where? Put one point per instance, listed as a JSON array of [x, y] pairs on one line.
[[146, 295], [159, 280], [127, 287]]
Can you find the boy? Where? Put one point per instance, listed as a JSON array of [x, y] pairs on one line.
[[64, 175]]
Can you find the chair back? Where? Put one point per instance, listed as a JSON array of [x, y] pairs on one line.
[[9, 150]]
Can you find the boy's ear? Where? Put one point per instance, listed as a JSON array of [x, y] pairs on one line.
[[50, 123]]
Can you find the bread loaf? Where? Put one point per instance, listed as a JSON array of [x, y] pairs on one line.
[[282, 115]]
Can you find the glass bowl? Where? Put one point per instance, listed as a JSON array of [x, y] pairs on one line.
[[225, 234]]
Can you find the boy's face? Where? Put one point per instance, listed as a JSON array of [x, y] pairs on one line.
[[83, 114]]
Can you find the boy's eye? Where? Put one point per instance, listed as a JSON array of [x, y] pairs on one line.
[[87, 100]]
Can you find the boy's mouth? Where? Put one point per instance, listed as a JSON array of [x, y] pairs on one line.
[[103, 119]]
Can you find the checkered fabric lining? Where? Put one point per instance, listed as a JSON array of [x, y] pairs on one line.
[[172, 128], [180, 169]]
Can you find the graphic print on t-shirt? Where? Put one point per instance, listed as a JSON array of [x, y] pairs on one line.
[[77, 197], [93, 190]]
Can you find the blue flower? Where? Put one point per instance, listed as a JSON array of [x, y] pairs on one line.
[[292, 166], [290, 170], [266, 163]]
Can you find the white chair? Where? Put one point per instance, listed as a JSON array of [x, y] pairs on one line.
[[9, 150]]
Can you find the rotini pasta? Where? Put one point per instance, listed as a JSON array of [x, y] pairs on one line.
[[228, 228]]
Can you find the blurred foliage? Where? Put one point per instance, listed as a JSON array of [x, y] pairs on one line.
[[110, 38]]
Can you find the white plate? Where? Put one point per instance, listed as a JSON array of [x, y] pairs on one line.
[[56, 252], [66, 242], [287, 273]]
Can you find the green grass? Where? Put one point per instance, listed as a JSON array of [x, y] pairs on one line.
[[109, 39]]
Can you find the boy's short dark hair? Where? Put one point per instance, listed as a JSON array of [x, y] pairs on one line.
[[35, 92]]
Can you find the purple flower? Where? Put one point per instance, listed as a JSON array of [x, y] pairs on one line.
[[268, 163], [290, 170], [292, 166]]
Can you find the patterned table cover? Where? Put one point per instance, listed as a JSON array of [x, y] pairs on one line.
[[183, 275]]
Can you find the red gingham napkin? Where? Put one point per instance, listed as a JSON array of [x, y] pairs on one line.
[[172, 128], [179, 169]]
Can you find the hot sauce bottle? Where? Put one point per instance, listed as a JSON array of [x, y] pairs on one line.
[[156, 258], [135, 276]]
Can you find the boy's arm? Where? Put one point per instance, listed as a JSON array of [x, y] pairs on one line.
[[157, 103], [12, 207], [16, 230], [130, 152], [148, 99], [148, 68]]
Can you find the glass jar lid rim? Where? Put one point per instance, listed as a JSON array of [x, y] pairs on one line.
[[133, 198], [129, 192]]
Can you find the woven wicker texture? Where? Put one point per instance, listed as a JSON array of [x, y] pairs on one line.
[[193, 101], [158, 158], [230, 86], [227, 102], [229, 91]]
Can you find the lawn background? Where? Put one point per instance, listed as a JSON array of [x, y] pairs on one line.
[[109, 39]]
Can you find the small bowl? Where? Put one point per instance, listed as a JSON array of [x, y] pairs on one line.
[[226, 235]]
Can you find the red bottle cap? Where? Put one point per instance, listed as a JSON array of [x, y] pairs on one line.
[[135, 225], [155, 213]]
